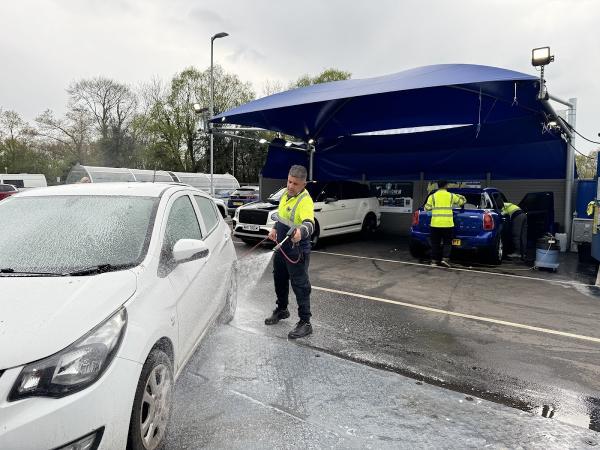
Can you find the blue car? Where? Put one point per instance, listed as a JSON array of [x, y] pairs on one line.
[[479, 225], [242, 196]]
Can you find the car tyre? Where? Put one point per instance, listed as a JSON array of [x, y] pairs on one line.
[[231, 301], [369, 226], [496, 253], [315, 239], [417, 250], [152, 403]]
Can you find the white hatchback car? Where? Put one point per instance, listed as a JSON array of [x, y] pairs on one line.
[[107, 289]]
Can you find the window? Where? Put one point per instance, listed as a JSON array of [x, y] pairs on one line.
[[497, 196], [182, 224], [15, 183], [352, 190], [7, 188], [67, 233], [331, 190], [208, 212]]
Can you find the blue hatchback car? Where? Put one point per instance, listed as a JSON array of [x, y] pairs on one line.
[[242, 196]]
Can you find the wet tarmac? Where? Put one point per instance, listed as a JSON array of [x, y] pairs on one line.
[[529, 341]]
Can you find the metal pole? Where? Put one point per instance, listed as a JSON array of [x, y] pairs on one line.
[[211, 113], [570, 177], [233, 162], [311, 152]]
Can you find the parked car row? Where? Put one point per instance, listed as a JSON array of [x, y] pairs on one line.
[[340, 207], [479, 225]]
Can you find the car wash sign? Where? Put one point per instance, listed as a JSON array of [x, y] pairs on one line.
[[393, 196]]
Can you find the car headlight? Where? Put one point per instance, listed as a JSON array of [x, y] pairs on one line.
[[76, 367], [236, 215]]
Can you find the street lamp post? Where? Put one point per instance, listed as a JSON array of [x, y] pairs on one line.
[[233, 159], [211, 106]]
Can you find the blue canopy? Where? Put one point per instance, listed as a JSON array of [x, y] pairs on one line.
[[450, 120]]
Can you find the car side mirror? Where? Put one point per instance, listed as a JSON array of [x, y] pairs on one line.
[[189, 250], [330, 200]]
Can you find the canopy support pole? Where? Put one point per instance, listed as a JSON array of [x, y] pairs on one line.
[[311, 154], [570, 176], [570, 163]]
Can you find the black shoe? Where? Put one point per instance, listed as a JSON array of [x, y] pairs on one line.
[[278, 314], [302, 329]]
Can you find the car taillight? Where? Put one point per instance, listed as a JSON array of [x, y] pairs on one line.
[[488, 221], [415, 218]]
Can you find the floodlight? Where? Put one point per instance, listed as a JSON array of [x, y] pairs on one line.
[[311, 141], [541, 56]]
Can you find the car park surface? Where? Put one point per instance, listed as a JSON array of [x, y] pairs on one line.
[[399, 361], [108, 289]]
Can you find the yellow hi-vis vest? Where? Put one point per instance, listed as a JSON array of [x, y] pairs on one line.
[[510, 208], [297, 209], [440, 203]]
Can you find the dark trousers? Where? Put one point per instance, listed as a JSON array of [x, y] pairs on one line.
[[441, 242], [285, 272]]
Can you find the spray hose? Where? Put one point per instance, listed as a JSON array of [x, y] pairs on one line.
[[276, 248]]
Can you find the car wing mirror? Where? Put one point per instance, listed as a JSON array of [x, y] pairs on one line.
[[186, 250], [330, 200]]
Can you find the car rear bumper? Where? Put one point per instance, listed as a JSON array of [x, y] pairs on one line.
[[41, 422], [482, 241]]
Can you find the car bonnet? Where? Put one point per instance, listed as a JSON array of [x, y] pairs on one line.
[[40, 316]]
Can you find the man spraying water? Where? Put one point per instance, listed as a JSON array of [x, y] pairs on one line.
[[292, 231]]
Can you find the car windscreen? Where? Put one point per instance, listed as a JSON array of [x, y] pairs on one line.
[[7, 188], [58, 234]]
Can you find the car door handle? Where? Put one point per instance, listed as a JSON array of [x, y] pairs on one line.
[[343, 206]]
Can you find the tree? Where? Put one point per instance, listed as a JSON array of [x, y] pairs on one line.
[[586, 165], [18, 151], [174, 126], [326, 76], [72, 134], [113, 106]]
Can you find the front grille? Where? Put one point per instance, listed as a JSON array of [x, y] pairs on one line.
[[261, 233], [254, 216]]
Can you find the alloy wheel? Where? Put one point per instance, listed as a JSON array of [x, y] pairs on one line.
[[155, 406]]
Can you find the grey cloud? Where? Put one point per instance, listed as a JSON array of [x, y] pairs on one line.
[[206, 16], [244, 54]]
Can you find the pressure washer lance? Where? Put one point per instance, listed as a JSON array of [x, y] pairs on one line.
[[288, 235]]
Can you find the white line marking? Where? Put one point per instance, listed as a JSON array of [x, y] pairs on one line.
[[464, 316], [271, 407], [459, 269]]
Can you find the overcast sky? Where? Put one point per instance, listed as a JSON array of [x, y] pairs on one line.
[[46, 44]]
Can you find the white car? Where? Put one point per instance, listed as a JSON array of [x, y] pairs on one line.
[[107, 289], [340, 207]]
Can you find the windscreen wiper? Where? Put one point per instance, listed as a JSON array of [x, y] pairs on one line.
[[93, 270], [11, 271]]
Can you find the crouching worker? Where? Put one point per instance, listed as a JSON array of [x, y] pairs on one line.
[[518, 229], [292, 232]]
